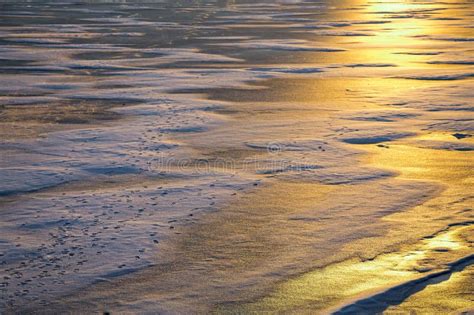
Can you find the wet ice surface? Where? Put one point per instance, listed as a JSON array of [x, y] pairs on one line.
[[284, 90]]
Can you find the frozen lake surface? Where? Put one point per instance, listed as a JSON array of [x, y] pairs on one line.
[[236, 156]]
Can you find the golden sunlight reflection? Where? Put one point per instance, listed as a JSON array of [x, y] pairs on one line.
[[324, 289], [391, 7], [397, 42], [448, 297], [399, 35]]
